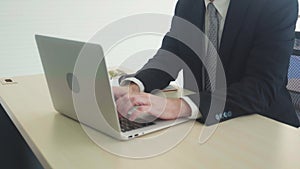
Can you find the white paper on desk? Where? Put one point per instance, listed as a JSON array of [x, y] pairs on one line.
[[114, 82]]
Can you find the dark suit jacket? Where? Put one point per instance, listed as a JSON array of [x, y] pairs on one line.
[[255, 50]]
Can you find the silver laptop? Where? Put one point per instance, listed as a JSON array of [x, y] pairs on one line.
[[58, 58]]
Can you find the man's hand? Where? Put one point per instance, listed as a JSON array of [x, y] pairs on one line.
[[121, 91], [140, 103]]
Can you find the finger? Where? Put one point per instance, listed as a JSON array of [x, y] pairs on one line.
[[141, 115], [124, 105], [127, 103], [120, 106], [135, 114], [140, 99], [117, 92]]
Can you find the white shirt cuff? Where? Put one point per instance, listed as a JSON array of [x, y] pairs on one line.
[[126, 81], [195, 111]]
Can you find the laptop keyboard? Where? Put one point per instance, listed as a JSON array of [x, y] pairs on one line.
[[127, 125]]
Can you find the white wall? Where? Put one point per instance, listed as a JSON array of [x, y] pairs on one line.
[[20, 20]]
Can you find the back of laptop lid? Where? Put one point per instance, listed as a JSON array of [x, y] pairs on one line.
[[59, 57]]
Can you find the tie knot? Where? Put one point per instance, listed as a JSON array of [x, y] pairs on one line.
[[211, 7]]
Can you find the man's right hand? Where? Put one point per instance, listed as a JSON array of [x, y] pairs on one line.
[[121, 91]]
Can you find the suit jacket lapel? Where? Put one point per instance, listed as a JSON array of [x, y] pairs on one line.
[[234, 20], [197, 14]]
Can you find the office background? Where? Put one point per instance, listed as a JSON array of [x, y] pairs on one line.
[[78, 20]]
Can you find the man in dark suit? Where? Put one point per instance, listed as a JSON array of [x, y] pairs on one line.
[[254, 40]]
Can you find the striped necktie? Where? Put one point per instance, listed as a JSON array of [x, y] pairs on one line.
[[212, 47]]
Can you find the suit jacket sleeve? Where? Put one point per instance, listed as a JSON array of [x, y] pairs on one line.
[[266, 66], [164, 67]]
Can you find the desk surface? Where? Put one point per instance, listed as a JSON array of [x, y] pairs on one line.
[[58, 142]]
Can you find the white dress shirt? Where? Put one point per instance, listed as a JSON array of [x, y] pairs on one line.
[[222, 8]]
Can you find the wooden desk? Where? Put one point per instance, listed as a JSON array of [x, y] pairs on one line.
[[58, 142]]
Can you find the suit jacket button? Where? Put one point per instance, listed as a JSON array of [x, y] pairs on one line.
[[225, 114], [217, 117], [229, 114]]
